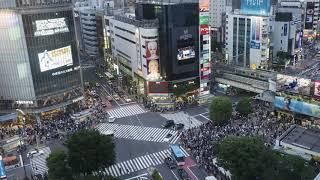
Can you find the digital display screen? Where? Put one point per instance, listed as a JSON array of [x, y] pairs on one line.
[[50, 27], [158, 87], [255, 7], [186, 53], [56, 58], [293, 84], [317, 88]]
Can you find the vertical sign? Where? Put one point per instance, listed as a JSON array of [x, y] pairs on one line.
[[204, 47], [255, 33], [309, 16]]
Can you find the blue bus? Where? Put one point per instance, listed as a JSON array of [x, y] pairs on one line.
[[2, 169], [177, 154]]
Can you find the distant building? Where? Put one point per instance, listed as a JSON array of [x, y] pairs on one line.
[[216, 21]]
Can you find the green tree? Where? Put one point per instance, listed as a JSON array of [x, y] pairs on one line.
[[90, 151], [283, 57], [58, 166], [244, 106], [220, 110]]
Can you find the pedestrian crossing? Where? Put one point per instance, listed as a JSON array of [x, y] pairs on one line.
[[138, 163], [181, 117], [139, 133], [39, 162], [125, 111]]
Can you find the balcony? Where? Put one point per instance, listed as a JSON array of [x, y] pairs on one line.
[[85, 36], [89, 42], [88, 22], [89, 27], [89, 32]]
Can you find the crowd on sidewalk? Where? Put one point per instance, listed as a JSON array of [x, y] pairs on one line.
[[199, 141]]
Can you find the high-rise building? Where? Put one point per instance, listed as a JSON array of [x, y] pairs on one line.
[[217, 14], [39, 63], [311, 18], [248, 34]]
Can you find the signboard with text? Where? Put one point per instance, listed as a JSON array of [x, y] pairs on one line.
[[255, 7]]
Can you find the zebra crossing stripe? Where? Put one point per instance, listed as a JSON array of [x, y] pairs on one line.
[[125, 111], [184, 151]]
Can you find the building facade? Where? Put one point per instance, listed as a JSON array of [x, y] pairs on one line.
[[216, 21], [39, 63]]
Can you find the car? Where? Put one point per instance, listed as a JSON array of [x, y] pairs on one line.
[[35, 152], [128, 100], [97, 84], [111, 119], [168, 124], [179, 126], [116, 97], [183, 174], [168, 137], [170, 162]]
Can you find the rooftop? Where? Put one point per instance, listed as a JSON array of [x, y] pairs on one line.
[[308, 139]]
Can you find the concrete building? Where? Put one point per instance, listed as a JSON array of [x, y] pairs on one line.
[[39, 64], [216, 19]]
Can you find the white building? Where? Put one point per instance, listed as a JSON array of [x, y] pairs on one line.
[[247, 41], [129, 38], [216, 15]]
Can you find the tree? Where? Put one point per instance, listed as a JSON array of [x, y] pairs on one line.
[[248, 158], [58, 167], [283, 57], [244, 106], [90, 151], [220, 110]]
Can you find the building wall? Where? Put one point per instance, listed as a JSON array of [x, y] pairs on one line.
[[217, 9]]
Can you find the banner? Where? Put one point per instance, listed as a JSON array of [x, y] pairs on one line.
[[152, 56], [255, 33], [293, 84], [309, 16], [317, 88]]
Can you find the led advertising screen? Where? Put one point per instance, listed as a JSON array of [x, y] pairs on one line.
[[204, 5], [50, 26], [204, 19], [152, 56], [309, 15], [56, 58], [158, 87], [255, 33], [204, 29], [186, 53], [255, 7], [297, 106], [293, 84], [317, 88]]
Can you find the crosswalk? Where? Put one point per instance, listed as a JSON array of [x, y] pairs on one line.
[[39, 163], [139, 133], [181, 117], [125, 111], [138, 163]]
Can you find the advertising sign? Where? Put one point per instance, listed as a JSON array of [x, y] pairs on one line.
[[204, 29], [293, 84], [204, 19], [158, 87], [297, 106], [2, 169], [317, 88], [152, 56], [255, 33], [309, 15], [204, 5], [255, 7], [50, 27], [56, 58], [186, 53]]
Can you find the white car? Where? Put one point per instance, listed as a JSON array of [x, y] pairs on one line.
[[35, 152], [128, 100], [111, 119], [167, 138]]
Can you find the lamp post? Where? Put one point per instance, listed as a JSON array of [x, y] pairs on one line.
[[21, 136]]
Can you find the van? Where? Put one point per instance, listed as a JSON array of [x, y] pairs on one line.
[[111, 119], [109, 133]]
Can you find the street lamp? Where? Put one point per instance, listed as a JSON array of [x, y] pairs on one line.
[[21, 136]]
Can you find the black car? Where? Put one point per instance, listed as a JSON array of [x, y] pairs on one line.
[[168, 124], [170, 163], [183, 174], [179, 126]]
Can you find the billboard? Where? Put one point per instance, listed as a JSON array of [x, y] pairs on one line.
[[56, 58], [204, 5], [293, 84], [186, 53], [50, 26], [317, 88], [158, 87], [204, 29], [204, 19], [152, 56], [255, 7], [255, 33], [297, 106], [309, 16]]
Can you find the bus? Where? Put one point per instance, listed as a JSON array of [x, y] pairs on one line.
[[2, 170], [177, 154]]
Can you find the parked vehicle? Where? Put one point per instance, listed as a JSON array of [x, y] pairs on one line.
[[168, 124], [170, 163]]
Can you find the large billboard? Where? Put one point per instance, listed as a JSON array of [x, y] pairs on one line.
[[293, 84], [56, 58], [158, 87], [255, 33], [186, 53], [309, 16], [204, 5], [297, 106], [255, 7], [317, 89], [50, 26], [152, 56]]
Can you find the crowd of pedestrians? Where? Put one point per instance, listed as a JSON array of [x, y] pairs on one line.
[[199, 141]]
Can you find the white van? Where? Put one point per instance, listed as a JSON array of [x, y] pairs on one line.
[[109, 133], [111, 119]]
